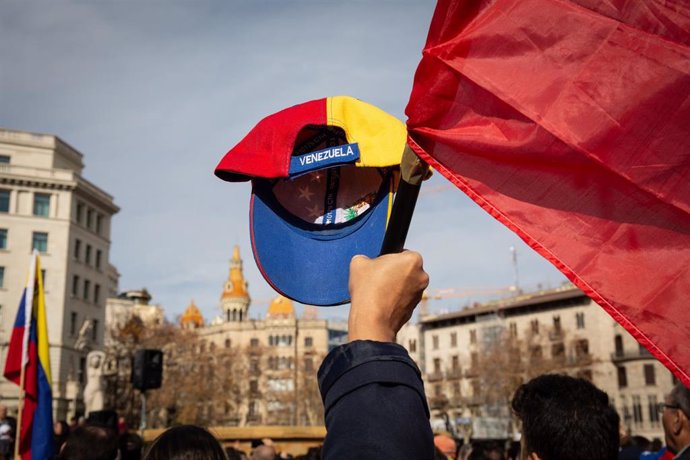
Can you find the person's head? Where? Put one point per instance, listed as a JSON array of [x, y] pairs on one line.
[[487, 451], [186, 442], [446, 445], [90, 443], [676, 418], [61, 428], [565, 417], [264, 452], [3, 411]]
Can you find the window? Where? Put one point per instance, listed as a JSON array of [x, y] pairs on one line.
[[87, 288], [87, 255], [438, 390], [308, 342], [96, 293], [308, 364], [39, 241], [474, 359], [513, 330], [622, 377], [72, 323], [453, 339], [41, 204], [254, 365], [227, 343], [99, 223], [473, 336], [4, 159], [618, 342], [557, 324], [77, 249], [412, 345], [653, 407], [80, 212], [534, 324], [82, 370], [99, 253], [434, 342], [558, 351], [75, 285], [637, 410], [580, 320], [3, 238], [437, 365], [582, 348], [254, 342], [649, 375], [455, 360], [94, 330], [4, 201], [535, 353], [456, 390], [2, 277]]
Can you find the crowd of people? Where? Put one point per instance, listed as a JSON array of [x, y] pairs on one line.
[[376, 408]]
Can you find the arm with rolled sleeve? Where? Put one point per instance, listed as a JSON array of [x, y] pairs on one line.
[[375, 405]]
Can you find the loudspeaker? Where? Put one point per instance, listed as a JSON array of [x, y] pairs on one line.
[[147, 369]]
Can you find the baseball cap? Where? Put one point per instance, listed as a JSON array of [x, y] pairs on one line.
[[323, 176]]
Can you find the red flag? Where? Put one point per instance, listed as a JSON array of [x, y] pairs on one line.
[[569, 122]]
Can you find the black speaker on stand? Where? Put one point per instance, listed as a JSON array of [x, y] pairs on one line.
[[147, 369]]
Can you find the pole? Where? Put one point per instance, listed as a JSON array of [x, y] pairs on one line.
[[142, 425], [296, 374], [412, 172], [20, 409]]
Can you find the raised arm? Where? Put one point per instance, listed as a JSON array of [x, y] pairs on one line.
[[372, 390]]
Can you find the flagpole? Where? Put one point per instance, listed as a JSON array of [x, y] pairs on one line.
[[413, 170], [20, 409], [28, 309]]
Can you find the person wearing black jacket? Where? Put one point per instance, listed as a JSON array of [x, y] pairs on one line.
[[373, 394]]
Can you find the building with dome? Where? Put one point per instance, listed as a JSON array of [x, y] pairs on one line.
[[282, 353]]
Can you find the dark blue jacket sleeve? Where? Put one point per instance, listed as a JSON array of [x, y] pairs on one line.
[[374, 404]]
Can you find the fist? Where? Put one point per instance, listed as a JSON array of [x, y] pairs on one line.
[[384, 292]]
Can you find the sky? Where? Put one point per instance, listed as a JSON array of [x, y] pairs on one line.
[[154, 93]]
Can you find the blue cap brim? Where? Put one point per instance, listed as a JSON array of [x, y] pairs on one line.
[[304, 262]]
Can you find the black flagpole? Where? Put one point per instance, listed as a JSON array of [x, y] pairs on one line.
[[413, 171]]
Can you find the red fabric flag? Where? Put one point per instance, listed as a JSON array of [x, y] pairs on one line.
[[569, 122]]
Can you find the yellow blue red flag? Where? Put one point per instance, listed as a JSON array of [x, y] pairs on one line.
[[29, 350]]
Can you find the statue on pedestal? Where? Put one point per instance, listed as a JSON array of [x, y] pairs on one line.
[[94, 391]]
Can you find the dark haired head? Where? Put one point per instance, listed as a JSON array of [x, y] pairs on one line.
[[186, 442], [564, 417], [90, 443]]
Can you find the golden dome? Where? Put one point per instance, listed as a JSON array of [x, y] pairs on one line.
[[236, 286], [281, 306], [192, 316]]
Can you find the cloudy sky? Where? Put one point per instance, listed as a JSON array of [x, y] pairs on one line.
[[154, 93]]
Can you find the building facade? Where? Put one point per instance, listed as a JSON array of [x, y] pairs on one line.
[[282, 352], [46, 204], [473, 360]]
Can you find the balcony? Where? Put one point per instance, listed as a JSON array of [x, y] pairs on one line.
[[556, 335], [471, 372], [454, 374], [434, 376], [622, 356], [438, 402]]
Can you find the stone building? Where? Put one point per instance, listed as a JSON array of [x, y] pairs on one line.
[[473, 359], [283, 353], [134, 303], [46, 204]]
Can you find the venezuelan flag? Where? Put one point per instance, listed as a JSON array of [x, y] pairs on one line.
[[29, 349]]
